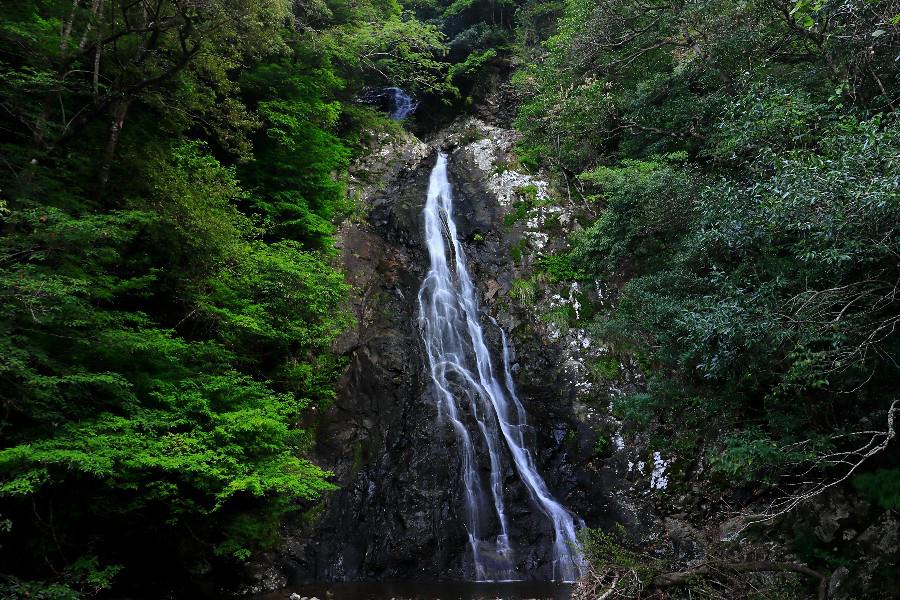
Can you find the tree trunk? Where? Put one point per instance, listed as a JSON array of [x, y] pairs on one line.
[[118, 111]]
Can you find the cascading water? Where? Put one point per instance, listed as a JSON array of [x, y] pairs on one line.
[[483, 410], [402, 105]]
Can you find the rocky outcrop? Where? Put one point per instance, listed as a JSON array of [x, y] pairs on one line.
[[397, 512]]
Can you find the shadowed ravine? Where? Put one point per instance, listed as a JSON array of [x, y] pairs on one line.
[[480, 405]]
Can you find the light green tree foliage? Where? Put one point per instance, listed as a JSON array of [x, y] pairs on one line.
[[111, 406], [481, 39], [172, 172], [399, 50]]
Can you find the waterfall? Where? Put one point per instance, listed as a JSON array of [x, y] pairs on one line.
[[482, 408], [402, 104]]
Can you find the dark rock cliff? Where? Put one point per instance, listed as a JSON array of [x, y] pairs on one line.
[[397, 513]]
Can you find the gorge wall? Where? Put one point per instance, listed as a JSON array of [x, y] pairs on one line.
[[398, 513]]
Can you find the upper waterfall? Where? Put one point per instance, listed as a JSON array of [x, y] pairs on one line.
[[401, 104], [479, 402]]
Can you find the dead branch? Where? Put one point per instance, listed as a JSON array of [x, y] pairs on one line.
[[852, 460], [712, 568]]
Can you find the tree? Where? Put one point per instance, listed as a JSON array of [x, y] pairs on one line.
[[171, 174], [740, 159]]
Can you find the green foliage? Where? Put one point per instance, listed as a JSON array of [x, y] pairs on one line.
[[296, 199], [519, 212], [524, 291], [196, 198], [470, 134], [646, 205], [618, 563], [477, 40], [748, 455], [398, 50], [811, 549], [527, 195], [168, 298], [606, 550], [469, 67], [529, 156], [552, 223], [561, 267], [606, 367], [747, 202], [682, 422], [480, 45], [93, 577], [14, 588], [617, 79], [560, 318], [635, 409], [360, 125], [518, 249], [882, 486]]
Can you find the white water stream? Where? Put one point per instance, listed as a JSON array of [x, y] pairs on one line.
[[402, 104], [480, 403]]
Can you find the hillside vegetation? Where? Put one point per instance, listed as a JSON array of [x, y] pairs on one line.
[[172, 173], [741, 161]]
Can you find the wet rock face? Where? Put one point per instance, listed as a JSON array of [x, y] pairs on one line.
[[398, 512], [380, 438]]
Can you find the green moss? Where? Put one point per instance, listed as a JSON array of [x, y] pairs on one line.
[[517, 250], [606, 367], [528, 193], [528, 199], [560, 317], [314, 515], [525, 291], [469, 134], [519, 212]]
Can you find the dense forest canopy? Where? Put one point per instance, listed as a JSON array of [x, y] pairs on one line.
[[173, 172], [742, 161]]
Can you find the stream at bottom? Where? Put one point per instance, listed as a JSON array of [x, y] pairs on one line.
[[424, 590]]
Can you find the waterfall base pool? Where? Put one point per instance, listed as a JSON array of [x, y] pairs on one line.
[[424, 590]]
